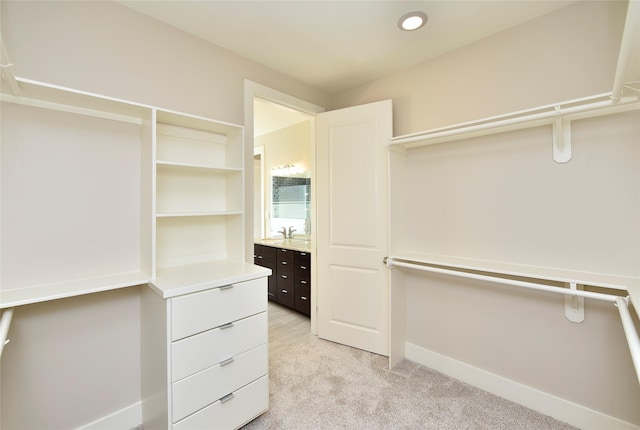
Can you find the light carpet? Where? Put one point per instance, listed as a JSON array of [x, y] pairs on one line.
[[322, 385]]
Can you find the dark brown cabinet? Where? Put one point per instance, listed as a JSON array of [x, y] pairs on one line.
[[265, 256], [302, 281], [290, 283]]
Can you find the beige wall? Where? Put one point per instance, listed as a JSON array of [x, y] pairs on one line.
[[290, 145], [560, 56], [523, 337], [106, 48]]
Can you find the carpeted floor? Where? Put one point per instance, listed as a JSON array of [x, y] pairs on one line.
[[323, 385]]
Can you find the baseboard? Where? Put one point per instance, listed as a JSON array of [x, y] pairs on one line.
[[124, 419], [545, 403]]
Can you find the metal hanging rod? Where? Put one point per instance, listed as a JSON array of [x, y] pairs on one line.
[[622, 303], [398, 262]]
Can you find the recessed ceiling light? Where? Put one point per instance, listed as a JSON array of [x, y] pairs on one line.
[[412, 21]]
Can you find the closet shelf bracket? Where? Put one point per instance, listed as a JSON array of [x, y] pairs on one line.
[[574, 305], [561, 137], [5, 323]]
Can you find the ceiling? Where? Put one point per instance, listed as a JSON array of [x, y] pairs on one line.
[[338, 45]]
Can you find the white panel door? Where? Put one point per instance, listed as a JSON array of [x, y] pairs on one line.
[[352, 226]]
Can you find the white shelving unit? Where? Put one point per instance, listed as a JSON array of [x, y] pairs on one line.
[[99, 194], [75, 205], [199, 188]]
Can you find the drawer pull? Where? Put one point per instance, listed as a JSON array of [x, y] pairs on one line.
[[285, 263], [285, 291], [303, 282], [226, 287], [284, 276], [227, 361], [227, 325], [303, 298], [259, 256], [303, 253], [227, 398], [303, 267]]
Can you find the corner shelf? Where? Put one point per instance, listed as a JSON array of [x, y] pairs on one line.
[[61, 290]]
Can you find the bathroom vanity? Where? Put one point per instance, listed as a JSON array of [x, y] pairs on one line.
[[290, 263]]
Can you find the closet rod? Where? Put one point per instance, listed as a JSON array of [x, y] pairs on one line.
[[630, 332], [5, 323], [390, 262], [569, 110], [622, 303]]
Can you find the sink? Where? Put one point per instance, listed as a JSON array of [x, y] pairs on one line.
[[272, 239]]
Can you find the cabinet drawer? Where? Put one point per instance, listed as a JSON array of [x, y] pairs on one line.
[[245, 404], [302, 272], [212, 384], [262, 252], [303, 303], [195, 353], [285, 256], [198, 312], [302, 258]]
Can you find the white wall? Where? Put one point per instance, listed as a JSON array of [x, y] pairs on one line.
[[560, 56], [521, 336], [106, 48]]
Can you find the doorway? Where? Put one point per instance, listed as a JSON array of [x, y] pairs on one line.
[[269, 113]]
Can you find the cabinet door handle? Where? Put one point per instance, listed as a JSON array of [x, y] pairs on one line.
[[259, 257], [303, 297], [303, 267], [303, 253], [227, 361], [303, 282], [228, 325], [284, 262], [284, 276], [227, 398], [226, 287], [285, 291]]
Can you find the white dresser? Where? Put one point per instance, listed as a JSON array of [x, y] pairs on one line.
[[204, 347]]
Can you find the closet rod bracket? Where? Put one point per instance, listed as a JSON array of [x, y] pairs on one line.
[[574, 305], [561, 138]]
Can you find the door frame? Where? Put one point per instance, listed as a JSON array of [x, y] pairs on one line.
[[252, 90]]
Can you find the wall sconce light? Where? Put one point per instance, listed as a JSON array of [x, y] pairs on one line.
[[287, 170]]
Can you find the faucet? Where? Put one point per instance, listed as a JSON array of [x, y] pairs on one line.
[[283, 232], [291, 230]]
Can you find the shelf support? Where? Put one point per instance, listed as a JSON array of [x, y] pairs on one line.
[[561, 138], [6, 68], [574, 305], [5, 323]]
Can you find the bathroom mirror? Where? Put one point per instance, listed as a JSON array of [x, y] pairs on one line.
[[290, 204]]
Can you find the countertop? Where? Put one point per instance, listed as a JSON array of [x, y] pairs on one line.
[[295, 244]]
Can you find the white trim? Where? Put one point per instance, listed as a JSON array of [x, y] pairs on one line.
[[126, 418], [545, 403]]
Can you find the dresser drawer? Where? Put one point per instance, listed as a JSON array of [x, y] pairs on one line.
[[212, 384], [245, 404], [198, 312], [195, 353]]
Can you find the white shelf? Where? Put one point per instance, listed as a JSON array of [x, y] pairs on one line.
[[192, 278], [199, 166], [617, 282], [60, 290], [196, 214]]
